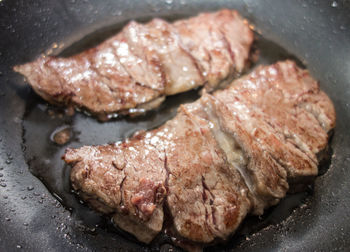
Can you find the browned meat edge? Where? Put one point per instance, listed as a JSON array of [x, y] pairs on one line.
[[133, 71], [227, 155]]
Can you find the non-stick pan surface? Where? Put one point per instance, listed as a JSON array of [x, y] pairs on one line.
[[32, 219]]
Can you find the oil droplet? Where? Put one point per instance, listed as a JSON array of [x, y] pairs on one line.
[[7, 219], [61, 135], [334, 4], [30, 188], [3, 185], [19, 246], [25, 224]]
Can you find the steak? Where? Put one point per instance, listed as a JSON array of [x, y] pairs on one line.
[[134, 70], [226, 155]]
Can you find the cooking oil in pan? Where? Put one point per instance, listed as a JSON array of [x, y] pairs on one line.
[[48, 131]]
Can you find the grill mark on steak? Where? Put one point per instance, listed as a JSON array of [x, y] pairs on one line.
[[213, 216], [187, 52], [204, 194], [316, 105], [113, 90], [139, 61], [144, 86], [166, 170], [123, 209], [99, 73], [294, 140], [206, 188], [298, 135], [57, 76], [313, 113], [277, 152], [221, 158], [231, 53]]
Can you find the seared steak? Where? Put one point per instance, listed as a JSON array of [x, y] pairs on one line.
[[222, 157], [134, 70]]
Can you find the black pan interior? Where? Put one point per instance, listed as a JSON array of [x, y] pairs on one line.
[[316, 32]]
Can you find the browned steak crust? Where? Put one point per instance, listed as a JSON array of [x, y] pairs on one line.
[[137, 68], [222, 157]]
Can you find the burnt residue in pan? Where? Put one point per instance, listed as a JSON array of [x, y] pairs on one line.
[[43, 149]]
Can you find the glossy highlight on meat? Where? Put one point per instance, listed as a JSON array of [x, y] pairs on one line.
[[231, 153], [133, 71]]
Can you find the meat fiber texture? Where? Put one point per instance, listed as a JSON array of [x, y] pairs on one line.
[[227, 155], [133, 71]]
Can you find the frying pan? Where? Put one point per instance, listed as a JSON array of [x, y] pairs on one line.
[[31, 213]]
